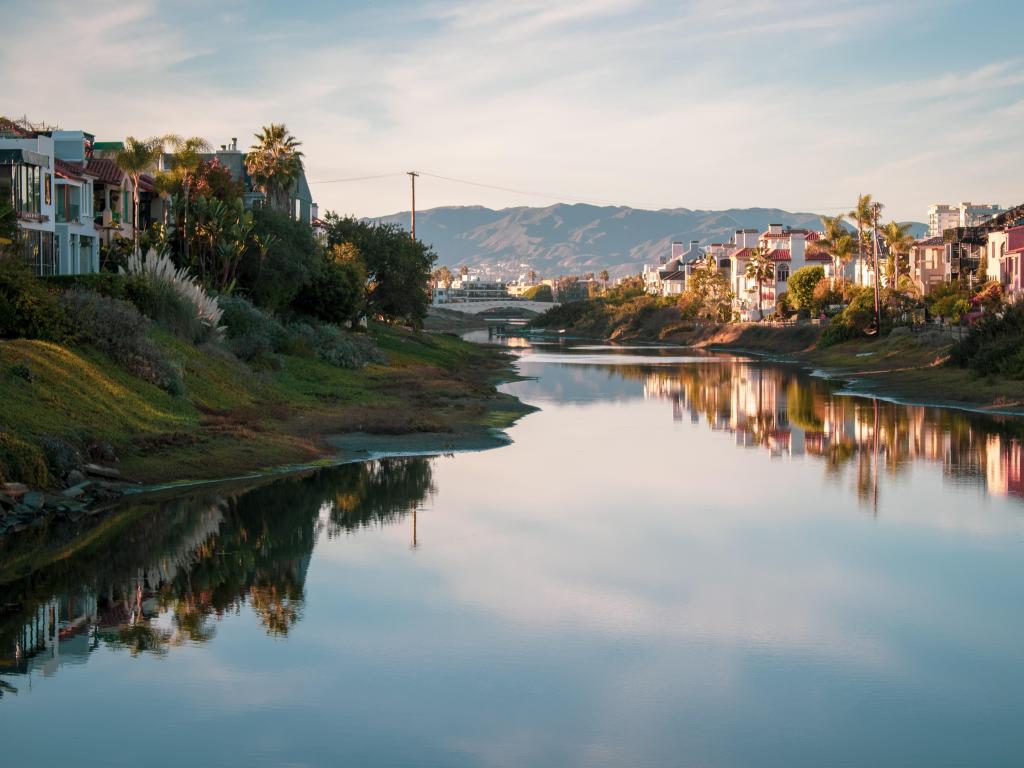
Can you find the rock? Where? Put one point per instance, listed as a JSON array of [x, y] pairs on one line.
[[61, 456], [33, 500], [102, 453], [77, 490], [14, 490], [74, 477], [98, 471]]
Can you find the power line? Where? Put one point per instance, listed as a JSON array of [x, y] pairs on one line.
[[572, 198], [358, 178]]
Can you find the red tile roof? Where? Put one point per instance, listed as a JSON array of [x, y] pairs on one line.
[[812, 236], [66, 170], [742, 253], [779, 254], [147, 183], [817, 256], [105, 170]]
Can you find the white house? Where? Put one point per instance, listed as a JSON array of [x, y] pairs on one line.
[[26, 179], [787, 249]]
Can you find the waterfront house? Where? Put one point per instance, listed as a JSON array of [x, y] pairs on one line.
[[26, 181], [928, 263], [788, 251]]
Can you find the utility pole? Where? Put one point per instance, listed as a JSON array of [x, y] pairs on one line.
[[875, 210], [412, 178]]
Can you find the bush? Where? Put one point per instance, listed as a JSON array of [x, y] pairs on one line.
[[27, 309], [252, 335], [21, 462], [853, 321], [61, 456], [177, 299], [331, 345], [993, 345], [118, 329]]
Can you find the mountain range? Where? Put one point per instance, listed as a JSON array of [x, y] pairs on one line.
[[569, 239]]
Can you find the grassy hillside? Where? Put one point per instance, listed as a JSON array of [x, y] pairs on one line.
[[231, 419]]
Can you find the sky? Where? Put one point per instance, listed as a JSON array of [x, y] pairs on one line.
[[709, 104]]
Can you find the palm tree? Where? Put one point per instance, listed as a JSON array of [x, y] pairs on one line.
[[837, 242], [185, 161], [760, 269], [275, 163], [135, 158], [898, 240], [862, 215]]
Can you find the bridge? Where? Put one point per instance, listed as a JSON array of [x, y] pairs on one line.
[[476, 307]]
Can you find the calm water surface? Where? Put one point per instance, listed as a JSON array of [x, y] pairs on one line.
[[680, 561]]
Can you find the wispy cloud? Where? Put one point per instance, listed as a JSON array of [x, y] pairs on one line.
[[698, 104]]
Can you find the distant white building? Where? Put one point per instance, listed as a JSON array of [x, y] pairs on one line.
[[942, 217]]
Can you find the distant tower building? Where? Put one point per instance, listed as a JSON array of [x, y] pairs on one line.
[[942, 217]]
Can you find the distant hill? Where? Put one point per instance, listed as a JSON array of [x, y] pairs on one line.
[[567, 239]]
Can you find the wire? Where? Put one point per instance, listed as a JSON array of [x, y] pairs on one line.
[[357, 178], [516, 191]]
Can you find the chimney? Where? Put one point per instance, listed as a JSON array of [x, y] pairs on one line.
[[234, 143]]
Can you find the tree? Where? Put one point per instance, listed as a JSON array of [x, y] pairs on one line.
[[801, 287], [837, 242], [760, 269], [539, 293], [604, 276], [898, 240], [463, 271], [275, 163], [442, 276], [136, 157], [710, 288], [862, 215], [337, 292], [533, 277], [283, 257], [398, 268]]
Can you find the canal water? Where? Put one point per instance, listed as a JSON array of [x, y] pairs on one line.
[[680, 560]]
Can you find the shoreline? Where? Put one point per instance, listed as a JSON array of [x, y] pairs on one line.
[[437, 394]]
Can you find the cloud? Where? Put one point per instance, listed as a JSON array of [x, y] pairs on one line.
[[699, 104]]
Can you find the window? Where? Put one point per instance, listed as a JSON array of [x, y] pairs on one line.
[[782, 273], [48, 188]]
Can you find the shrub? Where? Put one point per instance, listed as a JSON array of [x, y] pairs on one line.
[[853, 321], [21, 462], [27, 309], [177, 297], [118, 329], [993, 345], [331, 345], [826, 296], [61, 456], [253, 335]]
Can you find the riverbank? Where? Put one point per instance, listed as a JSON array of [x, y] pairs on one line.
[[65, 407]]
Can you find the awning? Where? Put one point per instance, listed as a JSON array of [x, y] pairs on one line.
[[23, 156]]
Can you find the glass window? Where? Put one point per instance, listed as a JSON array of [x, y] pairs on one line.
[[48, 189]]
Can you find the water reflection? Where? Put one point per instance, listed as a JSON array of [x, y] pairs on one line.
[[162, 574], [787, 412]]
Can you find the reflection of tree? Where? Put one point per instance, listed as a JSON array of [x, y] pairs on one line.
[[201, 556]]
